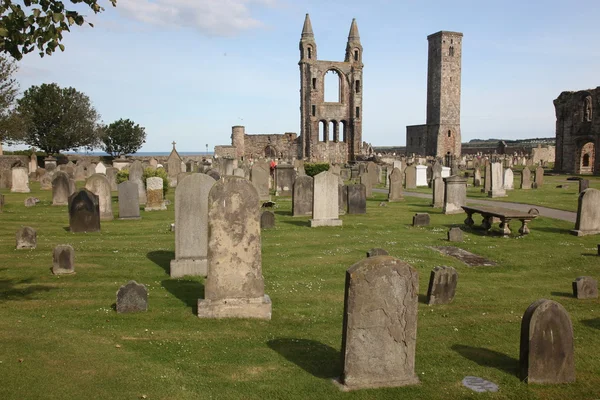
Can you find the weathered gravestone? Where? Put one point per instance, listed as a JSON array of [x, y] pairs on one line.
[[80, 172], [20, 180], [410, 176], [509, 179], [588, 213], [583, 184], [442, 285], [100, 168], [284, 179], [213, 173], [98, 184], [395, 185], [325, 200], [455, 194], [342, 199], [1, 202], [455, 234], [191, 226], [377, 252], [129, 200], [496, 181], [357, 199], [526, 179], [31, 201], [84, 212], [539, 176], [173, 167], [438, 188], [234, 285], [5, 179], [477, 178], [259, 175], [239, 172], [26, 238], [267, 220], [585, 287], [111, 175], [155, 200], [365, 180], [63, 260], [302, 196], [546, 351], [380, 324], [421, 219], [132, 297], [136, 173], [487, 179]]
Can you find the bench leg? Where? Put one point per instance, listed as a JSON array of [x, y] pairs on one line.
[[487, 223], [504, 225], [524, 229], [469, 221]]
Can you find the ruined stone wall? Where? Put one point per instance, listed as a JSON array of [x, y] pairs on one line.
[[547, 154], [284, 146], [226, 151], [6, 162]]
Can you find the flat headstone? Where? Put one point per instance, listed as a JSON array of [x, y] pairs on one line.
[[129, 201], [31, 201], [20, 180], [302, 196], [472, 260], [155, 200], [99, 185], [588, 213], [132, 297], [421, 219], [357, 199], [479, 385], [585, 287], [442, 285], [267, 220], [547, 346], [325, 200], [63, 260], [455, 234], [84, 212], [377, 252], [26, 238]]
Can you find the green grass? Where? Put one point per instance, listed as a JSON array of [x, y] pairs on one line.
[[73, 345]]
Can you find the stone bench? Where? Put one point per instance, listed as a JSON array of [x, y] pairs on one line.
[[502, 214]]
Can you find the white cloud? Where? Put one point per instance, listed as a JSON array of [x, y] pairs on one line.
[[212, 17]]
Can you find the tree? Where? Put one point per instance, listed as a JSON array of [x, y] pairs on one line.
[[122, 137], [10, 126], [39, 23], [56, 118]]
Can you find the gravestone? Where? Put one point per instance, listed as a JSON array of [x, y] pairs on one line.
[[239, 172], [259, 175], [479, 385], [487, 179], [380, 324], [31, 201], [98, 184], [395, 185], [455, 194], [342, 199], [63, 260], [377, 252], [585, 287], [61, 189], [496, 181], [46, 181], [80, 172], [121, 163], [583, 184], [365, 179], [588, 213], [302, 196], [442, 285], [153, 163], [546, 351], [267, 220], [325, 200], [509, 179], [50, 163], [111, 175], [373, 173], [234, 286], [410, 176], [213, 173], [526, 179], [5, 179], [438, 188], [100, 168], [539, 176], [191, 226], [421, 219], [132, 297], [84, 212], [477, 178], [436, 170], [26, 238], [91, 170], [284, 180], [20, 180], [136, 173], [155, 200], [173, 167], [455, 234], [421, 174], [129, 201], [1, 202]]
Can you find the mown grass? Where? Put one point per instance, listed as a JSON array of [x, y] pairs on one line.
[[60, 337]]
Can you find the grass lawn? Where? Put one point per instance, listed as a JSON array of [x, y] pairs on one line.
[[61, 339]]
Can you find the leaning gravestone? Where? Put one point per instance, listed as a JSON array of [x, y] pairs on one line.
[[539, 176], [442, 285], [455, 194], [234, 285], [546, 353], [84, 212], [63, 260], [191, 226], [132, 297], [98, 184], [588, 213], [26, 238], [325, 200], [357, 199], [421, 219], [259, 175], [61, 189], [395, 185], [380, 324], [129, 201], [377, 252], [267, 220], [302, 196], [526, 179], [585, 287], [410, 177], [20, 180], [155, 200], [455, 234], [136, 172]]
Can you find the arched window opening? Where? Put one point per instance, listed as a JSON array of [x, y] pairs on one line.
[[356, 55], [309, 51], [357, 112], [323, 131], [451, 51], [333, 83], [314, 83], [357, 86], [342, 131], [270, 152], [314, 110], [332, 134], [449, 133], [586, 160]]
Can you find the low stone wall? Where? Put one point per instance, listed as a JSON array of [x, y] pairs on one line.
[[6, 162]]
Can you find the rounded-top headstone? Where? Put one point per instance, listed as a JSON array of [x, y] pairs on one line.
[[132, 297], [267, 220], [84, 212], [585, 287], [377, 252], [26, 238], [63, 260]]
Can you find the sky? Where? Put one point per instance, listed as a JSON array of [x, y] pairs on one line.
[[189, 70]]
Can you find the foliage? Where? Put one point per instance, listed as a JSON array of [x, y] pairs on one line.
[[313, 169], [122, 137], [10, 124], [39, 23], [123, 175], [57, 119]]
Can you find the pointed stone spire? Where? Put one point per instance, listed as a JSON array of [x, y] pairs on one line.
[[353, 35], [307, 28]]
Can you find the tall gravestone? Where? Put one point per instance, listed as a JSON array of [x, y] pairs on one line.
[[380, 324], [438, 188], [84, 212], [365, 179], [411, 177], [98, 184], [129, 200], [302, 196], [136, 173], [259, 175], [373, 171], [63, 260], [343, 199], [442, 285], [325, 200], [395, 185], [191, 226], [487, 179], [111, 175], [509, 179], [5, 179], [20, 180], [155, 200], [477, 178], [539, 176], [496, 181], [284, 180], [357, 199], [526, 179], [173, 167], [234, 286], [61, 189], [1, 202], [588, 213], [455, 194], [547, 347]]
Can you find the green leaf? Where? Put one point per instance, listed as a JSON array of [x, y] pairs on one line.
[[3, 32], [62, 47], [36, 12], [57, 17]]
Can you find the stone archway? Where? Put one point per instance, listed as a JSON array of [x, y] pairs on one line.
[[587, 158], [270, 152]]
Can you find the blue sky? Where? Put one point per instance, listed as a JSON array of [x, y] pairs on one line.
[[188, 70]]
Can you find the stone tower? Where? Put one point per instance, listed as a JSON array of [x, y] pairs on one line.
[[330, 131], [443, 94]]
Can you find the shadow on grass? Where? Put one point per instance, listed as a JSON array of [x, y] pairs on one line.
[[488, 358], [316, 358], [9, 291], [162, 258], [552, 230], [282, 212], [562, 294], [423, 298], [592, 323], [297, 223], [188, 291]]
